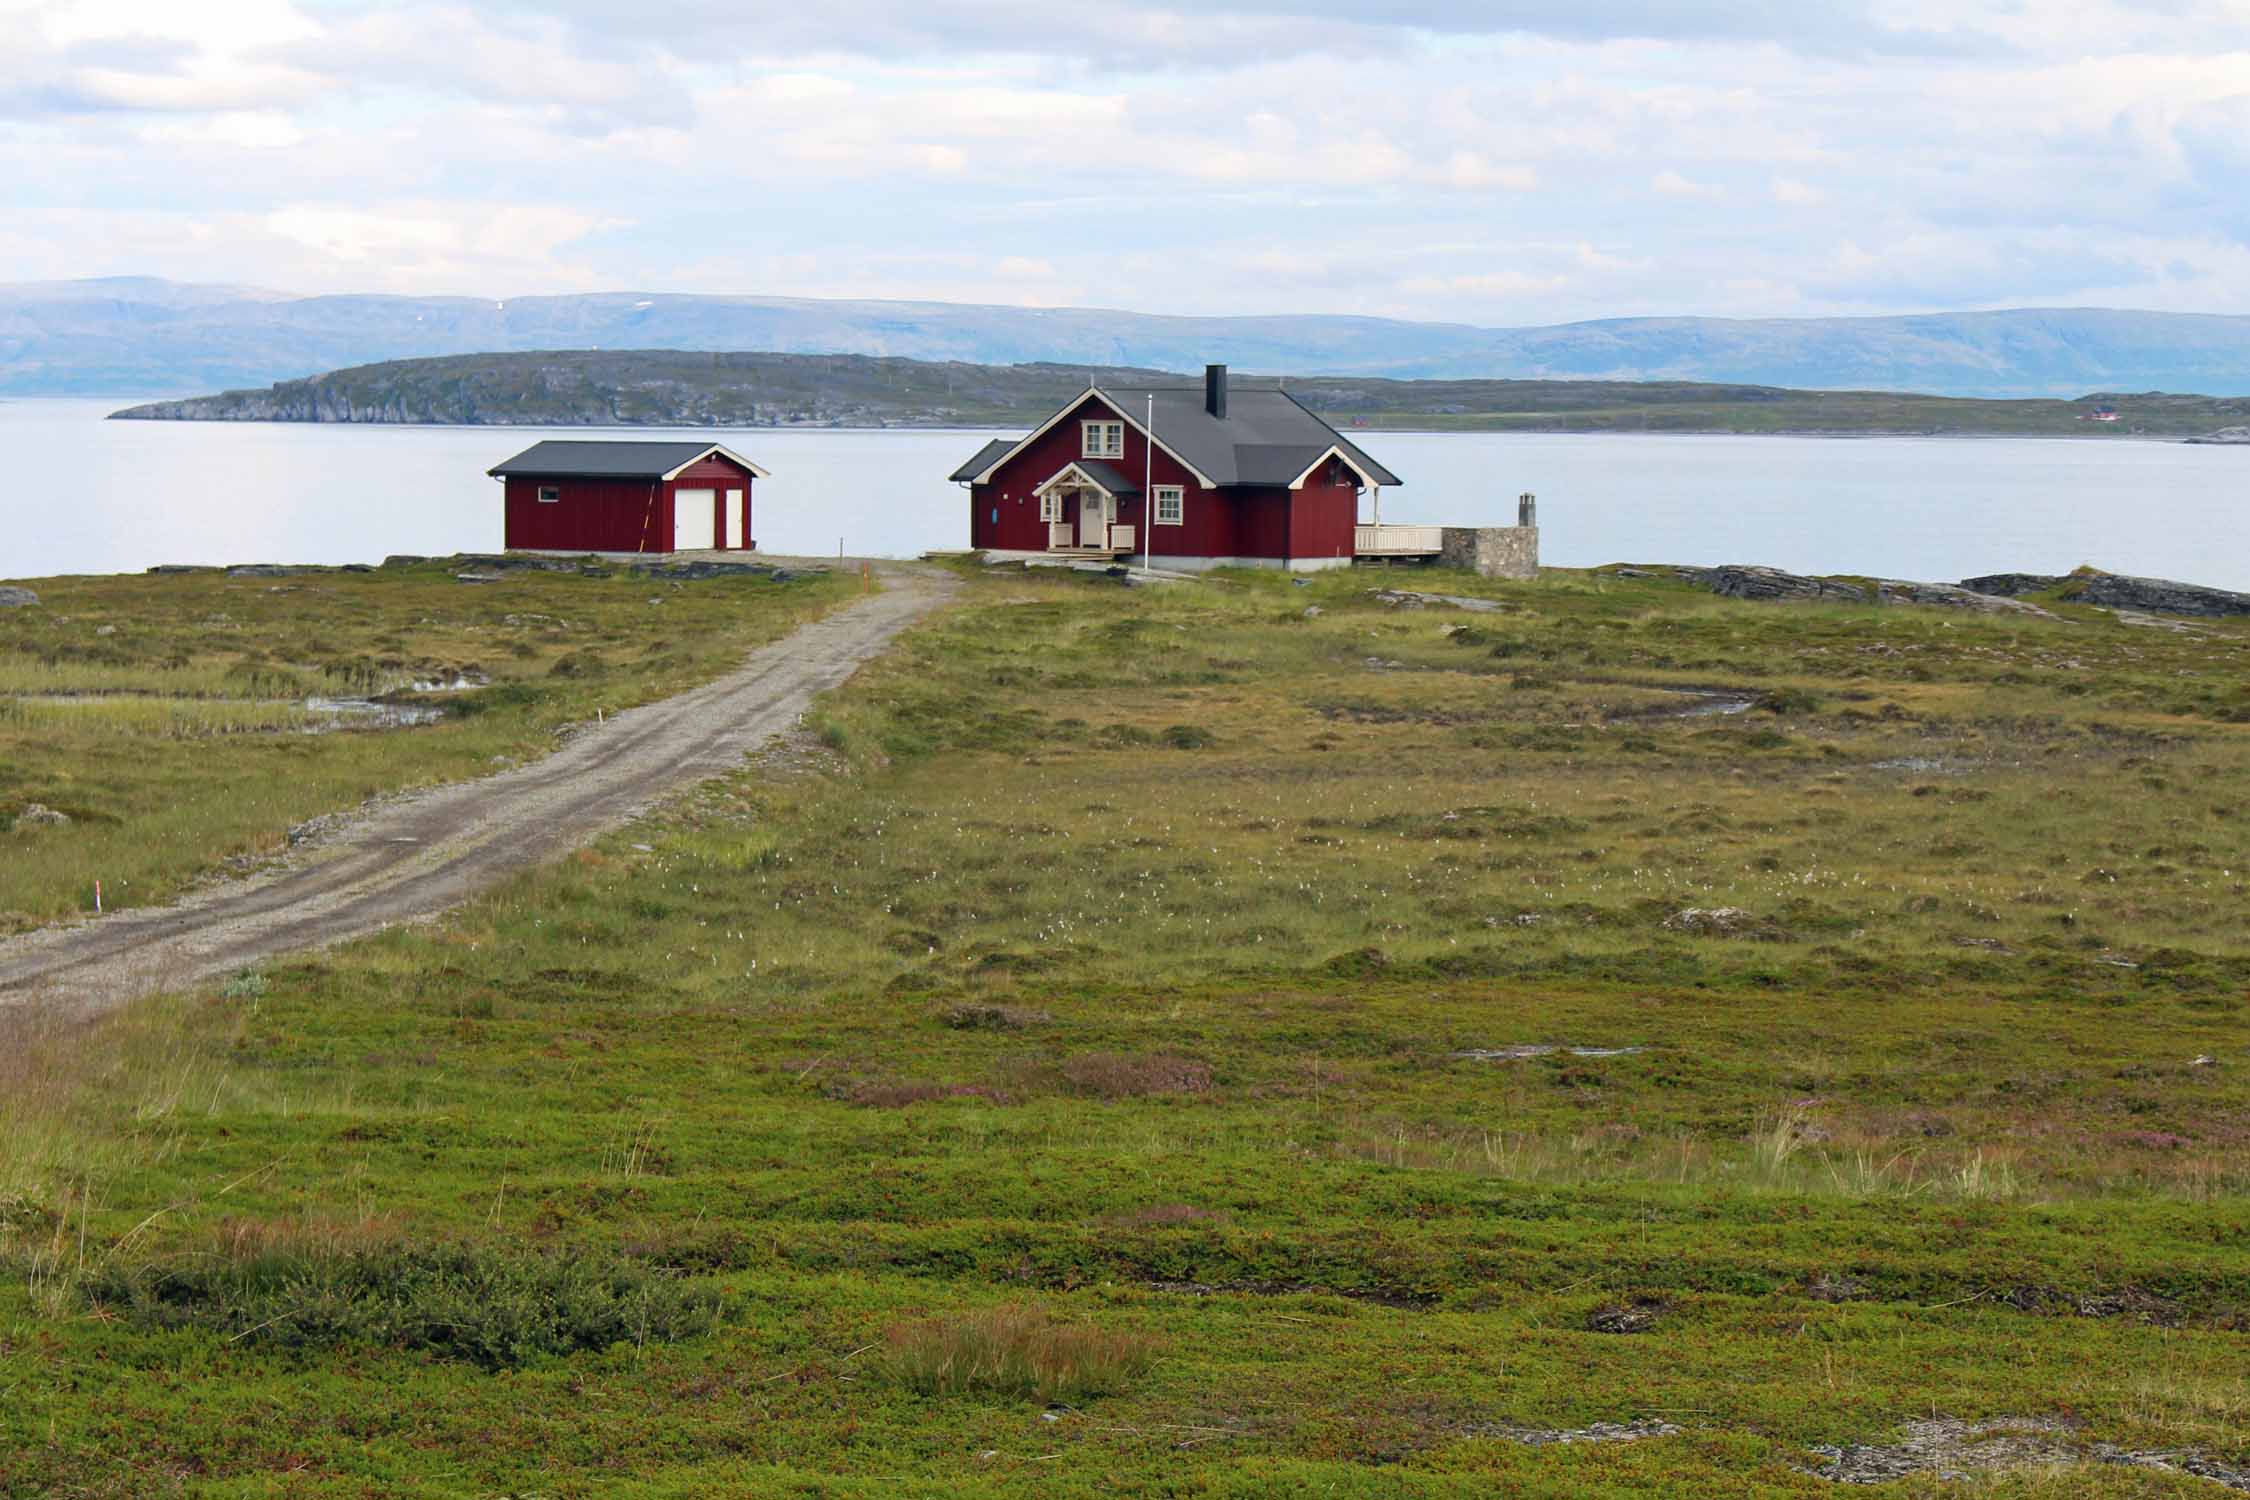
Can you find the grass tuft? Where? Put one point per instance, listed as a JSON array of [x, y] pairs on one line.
[[1012, 1350]]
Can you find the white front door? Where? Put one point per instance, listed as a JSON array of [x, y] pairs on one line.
[[734, 520], [692, 529], [1093, 518]]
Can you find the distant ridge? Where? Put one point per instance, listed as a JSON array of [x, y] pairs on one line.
[[677, 388], [149, 335]]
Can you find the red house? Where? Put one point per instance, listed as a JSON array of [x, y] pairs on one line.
[[1232, 478], [568, 496]]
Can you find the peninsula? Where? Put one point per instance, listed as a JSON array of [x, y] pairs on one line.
[[678, 388]]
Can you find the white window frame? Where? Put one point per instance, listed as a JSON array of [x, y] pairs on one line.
[[550, 494], [1101, 439], [1171, 504], [1050, 506]]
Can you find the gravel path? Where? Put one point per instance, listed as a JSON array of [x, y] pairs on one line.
[[422, 854]]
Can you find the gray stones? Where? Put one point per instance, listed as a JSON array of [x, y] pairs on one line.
[[1409, 599], [2162, 596], [1593, 1432], [1899, 591], [39, 815], [1743, 581], [1715, 921], [1737, 581], [703, 568], [15, 598]]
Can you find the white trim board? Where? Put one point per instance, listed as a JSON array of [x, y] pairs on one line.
[[1335, 451], [723, 452]]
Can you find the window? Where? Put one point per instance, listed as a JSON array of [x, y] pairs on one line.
[[1104, 439], [1171, 504], [1050, 506], [549, 493]]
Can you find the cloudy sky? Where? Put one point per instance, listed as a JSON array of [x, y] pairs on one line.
[[1508, 162]]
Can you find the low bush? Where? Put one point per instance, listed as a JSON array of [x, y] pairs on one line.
[[495, 1308], [1012, 1350]]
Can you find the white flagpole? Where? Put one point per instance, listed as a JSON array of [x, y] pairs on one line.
[[1148, 486]]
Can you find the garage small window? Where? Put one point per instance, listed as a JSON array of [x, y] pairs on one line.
[[549, 493]]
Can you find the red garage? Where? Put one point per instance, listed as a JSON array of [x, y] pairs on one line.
[[571, 496]]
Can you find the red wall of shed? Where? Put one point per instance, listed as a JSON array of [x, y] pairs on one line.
[[593, 515], [616, 515]]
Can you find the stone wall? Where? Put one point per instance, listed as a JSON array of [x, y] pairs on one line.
[[1493, 551]]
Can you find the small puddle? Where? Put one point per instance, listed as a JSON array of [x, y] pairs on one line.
[[366, 713], [253, 715], [1713, 703]]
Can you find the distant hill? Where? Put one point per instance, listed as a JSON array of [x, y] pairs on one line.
[[142, 334], [675, 388]]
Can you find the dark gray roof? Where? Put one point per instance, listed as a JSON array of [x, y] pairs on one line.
[[986, 457], [569, 458], [1107, 476], [1268, 437]]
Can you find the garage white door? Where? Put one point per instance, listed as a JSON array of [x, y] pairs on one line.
[[734, 520], [692, 530]]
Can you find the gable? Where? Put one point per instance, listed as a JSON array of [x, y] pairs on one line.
[[1092, 406]]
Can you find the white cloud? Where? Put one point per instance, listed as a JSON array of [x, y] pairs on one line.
[[1410, 158], [1674, 185]]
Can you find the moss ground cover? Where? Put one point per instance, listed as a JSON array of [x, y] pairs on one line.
[[166, 717], [1319, 1041]]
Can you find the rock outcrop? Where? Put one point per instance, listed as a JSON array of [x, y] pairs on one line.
[[2162, 596], [15, 598], [1951, 596], [1741, 581]]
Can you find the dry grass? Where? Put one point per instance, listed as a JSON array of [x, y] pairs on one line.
[[1013, 1350], [1122, 1075]]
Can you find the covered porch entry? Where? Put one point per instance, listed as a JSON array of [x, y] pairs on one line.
[[1081, 506]]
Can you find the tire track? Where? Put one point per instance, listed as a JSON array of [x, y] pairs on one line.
[[423, 854]]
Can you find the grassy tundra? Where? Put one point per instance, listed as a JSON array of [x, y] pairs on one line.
[[1112, 1064], [167, 717]]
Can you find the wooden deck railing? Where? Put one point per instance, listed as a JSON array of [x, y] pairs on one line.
[[1121, 538], [1397, 541]]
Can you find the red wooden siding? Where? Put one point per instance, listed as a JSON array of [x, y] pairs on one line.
[[1322, 515], [593, 515], [1004, 514], [618, 515]]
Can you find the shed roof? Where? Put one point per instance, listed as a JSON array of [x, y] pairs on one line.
[[572, 458], [990, 454], [1266, 437]]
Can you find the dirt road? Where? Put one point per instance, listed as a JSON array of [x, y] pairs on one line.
[[424, 853]]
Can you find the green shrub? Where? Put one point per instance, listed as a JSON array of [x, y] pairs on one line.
[[498, 1309]]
